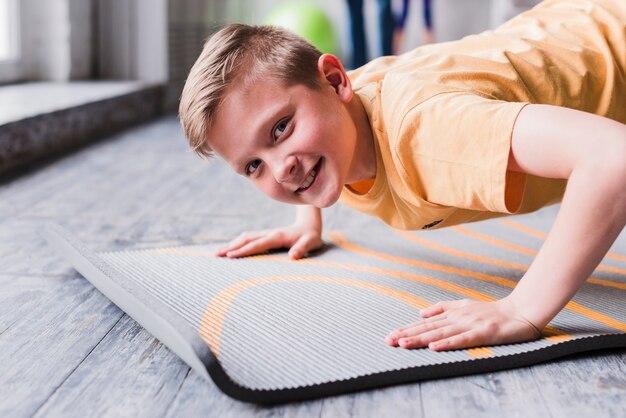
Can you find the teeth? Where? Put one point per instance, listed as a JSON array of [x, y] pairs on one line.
[[309, 180]]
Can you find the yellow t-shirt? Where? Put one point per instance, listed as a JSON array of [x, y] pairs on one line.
[[442, 115]]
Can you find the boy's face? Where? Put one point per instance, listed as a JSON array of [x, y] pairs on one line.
[[294, 143]]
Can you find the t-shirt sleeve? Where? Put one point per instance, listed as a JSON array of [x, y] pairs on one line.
[[454, 151]]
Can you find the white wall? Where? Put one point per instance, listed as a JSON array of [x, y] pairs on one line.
[[56, 39], [62, 39], [45, 35], [81, 39], [454, 19], [132, 40], [10, 59]]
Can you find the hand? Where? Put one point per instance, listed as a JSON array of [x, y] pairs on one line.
[[463, 324], [300, 238]]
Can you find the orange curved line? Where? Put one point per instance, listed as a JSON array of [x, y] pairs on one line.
[[571, 305], [524, 250], [215, 313], [555, 335], [549, 333], [543, 235]]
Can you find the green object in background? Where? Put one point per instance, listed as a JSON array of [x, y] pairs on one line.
[[307, 20]]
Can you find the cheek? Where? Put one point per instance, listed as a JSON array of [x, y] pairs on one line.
[[306, 140], [271, 189]]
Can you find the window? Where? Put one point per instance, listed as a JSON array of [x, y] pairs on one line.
[[9, 41]]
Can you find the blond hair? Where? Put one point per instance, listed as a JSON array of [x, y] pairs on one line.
[[243, 54]]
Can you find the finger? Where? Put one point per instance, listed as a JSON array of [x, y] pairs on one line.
[[399, 331], [425, 338], [256, 246], [304, 244], [433, 310], [240, 241], [465, 339], [414, 330], [233, 245], [443, 306]]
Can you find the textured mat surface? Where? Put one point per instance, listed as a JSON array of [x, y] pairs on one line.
[[270, 330]]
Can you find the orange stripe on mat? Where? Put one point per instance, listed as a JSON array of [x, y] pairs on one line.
[[451, 287], [480, 352], [467, 292], [549, 333], [524, 250], [210, 338], [530, 231], [597, 316], [338, 239], [461, 254], [543, 235], [494, 241], [215, 314], [555, 335], [607, 283], [573, 306]]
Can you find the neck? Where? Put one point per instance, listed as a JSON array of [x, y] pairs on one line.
[[364, 160]]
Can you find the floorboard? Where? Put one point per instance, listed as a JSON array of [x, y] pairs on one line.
[[50, 325], [65, 350]]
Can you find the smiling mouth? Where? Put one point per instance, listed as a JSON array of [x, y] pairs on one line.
[[310, 178]]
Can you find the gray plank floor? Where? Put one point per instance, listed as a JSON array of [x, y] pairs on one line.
[[65, 350]]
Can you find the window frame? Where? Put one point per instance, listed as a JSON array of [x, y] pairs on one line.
[[11, 69]]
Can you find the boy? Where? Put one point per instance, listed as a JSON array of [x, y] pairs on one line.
[[489, 125]]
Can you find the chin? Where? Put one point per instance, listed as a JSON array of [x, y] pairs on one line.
[[326, 204], [328, 200]]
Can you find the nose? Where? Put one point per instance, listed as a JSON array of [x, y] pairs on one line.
[[285, 169]]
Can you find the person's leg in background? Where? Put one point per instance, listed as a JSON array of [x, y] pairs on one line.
[[399, 22], [357, 33], [428, 36], [385, 26]]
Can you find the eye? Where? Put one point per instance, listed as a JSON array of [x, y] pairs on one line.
[[280, 128], [252, 166]]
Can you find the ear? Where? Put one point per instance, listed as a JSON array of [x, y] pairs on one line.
[[332, 71]]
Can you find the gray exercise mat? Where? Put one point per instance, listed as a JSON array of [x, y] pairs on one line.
[[269, 330]]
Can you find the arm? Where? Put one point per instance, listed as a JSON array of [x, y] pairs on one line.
[[590, 151], [304, 235], [548, 141]]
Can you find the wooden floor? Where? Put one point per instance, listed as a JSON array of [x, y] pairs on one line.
[[65, 350]]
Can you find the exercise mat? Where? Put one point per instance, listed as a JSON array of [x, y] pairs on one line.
[[269, 330]]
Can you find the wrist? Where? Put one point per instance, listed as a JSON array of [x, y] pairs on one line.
[[309, 217], [526, 312]]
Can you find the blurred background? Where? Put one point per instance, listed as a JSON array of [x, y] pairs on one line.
[[69, 54], [158, 40]]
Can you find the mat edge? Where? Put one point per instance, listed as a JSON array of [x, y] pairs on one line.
[[416, 374], [171, 331]]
